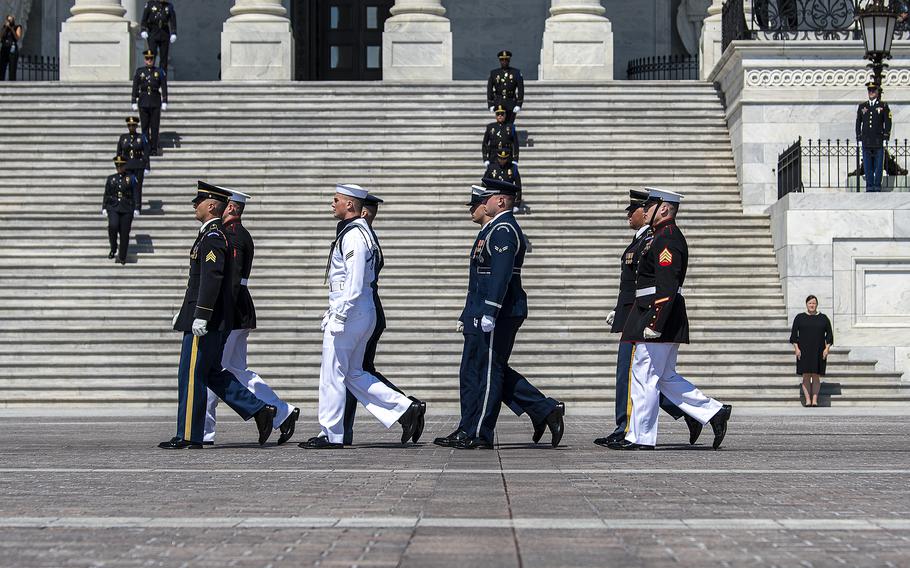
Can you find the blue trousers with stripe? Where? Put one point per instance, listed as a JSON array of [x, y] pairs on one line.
[[623, 376], [487, 381], [200, 368]]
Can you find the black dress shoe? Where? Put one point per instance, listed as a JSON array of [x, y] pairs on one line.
[[452, 439], [473, 443], [176, 443], [112, 253], [719, 424], [264, 419], [614, 438], [539, 429], [409, 422], [694, 428], [320, 443], [287, 427], [628, 446], [208, 443], [556, 424], [421, 422], [122, 262]]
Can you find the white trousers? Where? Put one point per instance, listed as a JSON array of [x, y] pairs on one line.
[[342, 369], [653, 373], [234, 360]]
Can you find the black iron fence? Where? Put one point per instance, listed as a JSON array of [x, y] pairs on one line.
[[663, 68], [797, 20], [38, 68], [837, 165]]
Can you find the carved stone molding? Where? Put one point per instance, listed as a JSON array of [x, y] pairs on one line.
[[821, 77]]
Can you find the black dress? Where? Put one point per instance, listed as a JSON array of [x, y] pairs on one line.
[[811, 333]]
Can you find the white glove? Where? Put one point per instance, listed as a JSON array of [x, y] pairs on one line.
[[104, 212], [135, 106], [147, 172], [459, 326], [144, 35], [174, 321], [199, 327], [135, 213], [173, 38], [610, 317], [335, 327], [650, 333], [486, 163], [325, 319], [163, 106], [517, 109], [487, 324], [491, 109]]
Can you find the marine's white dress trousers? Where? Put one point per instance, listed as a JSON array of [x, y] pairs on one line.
[[351, 275]]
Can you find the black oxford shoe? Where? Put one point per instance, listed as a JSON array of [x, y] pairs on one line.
[[613, 438], [176, 443], [320, 443], [112, 253], [539, 429], [719, 424], [556, 424], [264, 419], [287, 427], [625, 445], [452, 439], [694, 428], [409, 422], [473, 443], [421, 421]]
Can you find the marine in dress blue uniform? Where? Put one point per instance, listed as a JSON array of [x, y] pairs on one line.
[[134, 147], [494, 311], [159, 28], [873, 129], [150, 98], [506, 87], [120, 205], [206, 319]]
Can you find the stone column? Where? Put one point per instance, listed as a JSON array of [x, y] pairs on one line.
[[577, 42], [709, 51], [95, 43], [417, 42], [257, 43]]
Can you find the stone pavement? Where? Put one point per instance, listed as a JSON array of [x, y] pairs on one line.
[[789, 488]]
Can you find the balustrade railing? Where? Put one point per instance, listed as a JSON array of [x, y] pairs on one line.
[[38, 68]]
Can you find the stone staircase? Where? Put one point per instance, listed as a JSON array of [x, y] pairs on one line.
[[77, 328]]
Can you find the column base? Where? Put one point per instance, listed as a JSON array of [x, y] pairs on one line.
[[96, 51], [257, 51], [417, 52], [577, 51], [709, 48]]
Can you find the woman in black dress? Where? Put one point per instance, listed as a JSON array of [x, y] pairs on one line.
[[811, 337]]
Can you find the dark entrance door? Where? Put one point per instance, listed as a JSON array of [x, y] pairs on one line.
[[339, 40]]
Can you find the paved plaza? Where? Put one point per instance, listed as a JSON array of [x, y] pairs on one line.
[[823, 487]]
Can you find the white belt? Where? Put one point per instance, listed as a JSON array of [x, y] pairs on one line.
[[336, 286], [652, 290], [244, 281]]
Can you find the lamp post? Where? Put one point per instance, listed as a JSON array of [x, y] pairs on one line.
[[877, 22]]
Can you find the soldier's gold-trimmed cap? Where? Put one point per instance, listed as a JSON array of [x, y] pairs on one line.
[[505, 54], [504, 153], [871, 85], [148, 54], [637, 198], [119, 161], [208, 191], [500, 110], [132, 120]]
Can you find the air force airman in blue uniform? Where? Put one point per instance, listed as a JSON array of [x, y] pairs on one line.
[[206, 319], [494, 311]]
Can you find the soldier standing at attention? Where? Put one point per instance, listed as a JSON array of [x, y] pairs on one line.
[[235, 348], [135, 148], [120, 205], [499, 135], [504, 169], [206, 319], [873, 129], [159, 28], [506, 87], [150, 98], [617, 319], [656, 326]]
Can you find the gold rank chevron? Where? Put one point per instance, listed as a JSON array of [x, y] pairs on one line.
[[210, 257], [666, 257]]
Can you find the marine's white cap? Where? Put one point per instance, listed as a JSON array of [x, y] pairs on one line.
[[655, 194], [351, 190], [239, 196]]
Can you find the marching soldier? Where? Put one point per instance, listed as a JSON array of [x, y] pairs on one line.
[[499, 135], [495, 309], [528, 393], [206, 319], [873, 129], [370, 210], [235, 348], [347, 326], [506, 87], [120, 205], [617, 319], [150, 98], [656, 326], [135, 148], [159, 28]]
